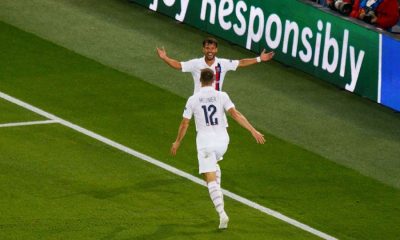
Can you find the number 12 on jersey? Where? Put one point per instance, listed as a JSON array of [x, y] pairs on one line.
[[209, 114]]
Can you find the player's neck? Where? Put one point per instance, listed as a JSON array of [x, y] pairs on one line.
[[209, 62], [207, 85]]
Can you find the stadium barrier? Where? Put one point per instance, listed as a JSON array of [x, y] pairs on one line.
[[342, 52], [390, 77]]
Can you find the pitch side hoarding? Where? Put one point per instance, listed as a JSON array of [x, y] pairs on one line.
[[329, 47], [390, 79]]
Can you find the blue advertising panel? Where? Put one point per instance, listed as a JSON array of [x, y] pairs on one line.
[[390, 83]]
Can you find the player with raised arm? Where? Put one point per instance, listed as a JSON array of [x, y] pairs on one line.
[[219, 66], [208, 107]]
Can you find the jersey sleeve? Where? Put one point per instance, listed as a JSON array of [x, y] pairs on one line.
[[229, 65], [226, 101], [188, 112], [189, 66]]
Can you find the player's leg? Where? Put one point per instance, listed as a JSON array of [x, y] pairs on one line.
[[218, 175], [207, 167], [217, 198], [220, 149]]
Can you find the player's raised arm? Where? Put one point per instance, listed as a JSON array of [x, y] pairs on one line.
[[171, 62], [264, 57], [181, 134], [246, 124]]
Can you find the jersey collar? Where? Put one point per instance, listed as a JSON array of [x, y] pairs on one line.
[[207, 88], [214, 63]]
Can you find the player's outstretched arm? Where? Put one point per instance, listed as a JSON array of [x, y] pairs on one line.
[[171, 62], [246, 124], [181, 134], [264, 57]]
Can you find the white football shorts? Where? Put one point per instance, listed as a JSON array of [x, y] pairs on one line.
[[210, 150]]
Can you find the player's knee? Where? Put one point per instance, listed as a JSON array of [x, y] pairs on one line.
[[209, 176]]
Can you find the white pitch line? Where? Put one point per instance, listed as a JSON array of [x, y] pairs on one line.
[[16, 124], [166, 166]]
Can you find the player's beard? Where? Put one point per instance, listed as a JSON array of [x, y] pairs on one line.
[[210, 56]]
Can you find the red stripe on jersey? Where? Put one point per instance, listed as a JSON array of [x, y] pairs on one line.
[[217, 76]]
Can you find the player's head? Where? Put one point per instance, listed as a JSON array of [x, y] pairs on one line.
[[210, 48], [206, 77], [210, 41]]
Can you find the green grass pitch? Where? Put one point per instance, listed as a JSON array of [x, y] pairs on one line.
[[58, 184]]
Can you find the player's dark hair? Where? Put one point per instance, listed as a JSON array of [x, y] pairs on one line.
[[210, 40], [207, 76]]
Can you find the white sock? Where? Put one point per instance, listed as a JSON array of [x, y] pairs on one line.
[[218, 174], [216, 197]]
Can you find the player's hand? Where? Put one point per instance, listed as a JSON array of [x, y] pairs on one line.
[[258, 136], [162, 53], [266, 56], [174, 148]]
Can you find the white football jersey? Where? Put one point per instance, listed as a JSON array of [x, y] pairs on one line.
[[220, 67], [208, 107]]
